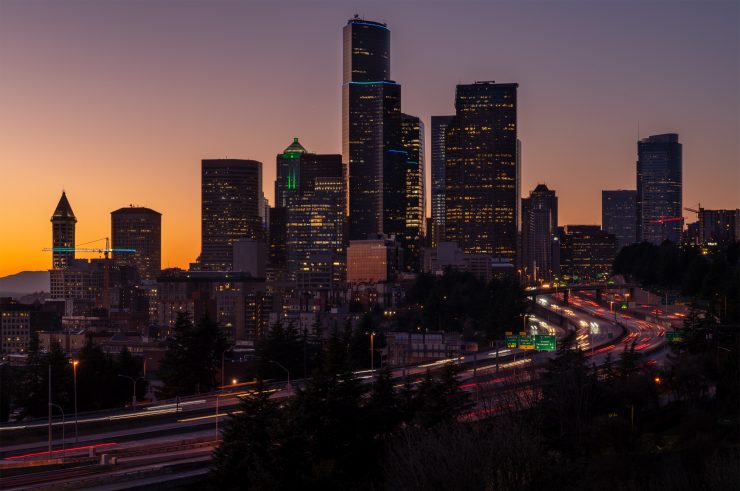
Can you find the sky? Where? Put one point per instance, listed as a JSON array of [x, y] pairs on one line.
[[117, 102]]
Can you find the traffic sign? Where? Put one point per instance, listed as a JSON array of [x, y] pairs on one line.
[[526, 342], [544, 342], [511, 341], [674, 336]]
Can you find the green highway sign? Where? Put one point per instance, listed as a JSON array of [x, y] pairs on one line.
[[544, 343], [511, 341], [674, 336], [526, 342]]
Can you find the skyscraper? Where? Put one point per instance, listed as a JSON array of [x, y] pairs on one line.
[[315, 235], [63, 233], [371, 131], [231, 190], [659, 188], [540, 246], [140, 229], [619, 215], [439, 129], [412, 139], [481, 170], [288, 173]]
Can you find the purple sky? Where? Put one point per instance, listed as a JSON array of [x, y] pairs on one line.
[[117, 102]]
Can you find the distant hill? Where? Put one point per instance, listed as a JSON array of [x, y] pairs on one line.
[[24, 283]]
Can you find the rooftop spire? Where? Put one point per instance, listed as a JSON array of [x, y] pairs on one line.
[[63, 209], [294, 149]]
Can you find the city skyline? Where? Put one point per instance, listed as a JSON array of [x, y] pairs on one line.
[[77, 157]]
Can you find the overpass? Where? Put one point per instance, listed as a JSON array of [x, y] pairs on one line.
[[599, 288]]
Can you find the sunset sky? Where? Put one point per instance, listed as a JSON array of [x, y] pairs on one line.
[[118, 101]]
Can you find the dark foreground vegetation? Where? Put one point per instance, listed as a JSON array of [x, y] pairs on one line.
[[623, 426]]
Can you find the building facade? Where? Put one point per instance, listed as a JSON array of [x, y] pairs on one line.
[[719, 227], [619, 215], [374, 260], [586, 252], [481, 170], [139, 229], [230, 209], [412, 139], [659, 189], [540, 248], [439, 130], [315, 235]]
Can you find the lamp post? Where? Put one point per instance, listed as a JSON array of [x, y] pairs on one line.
[[49, 410], [63, 438], [286, 370], [134, 381], [74, 371], [223, 353], [372, 352]]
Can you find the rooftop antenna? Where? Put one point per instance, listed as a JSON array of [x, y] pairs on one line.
[[638, 130]]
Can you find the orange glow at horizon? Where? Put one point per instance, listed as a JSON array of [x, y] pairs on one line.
[[118, 102]]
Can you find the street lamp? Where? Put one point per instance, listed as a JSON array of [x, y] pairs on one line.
[[286, 370], [51, 404], [134, 381], [223, 353], [74, 371], [372, 351]]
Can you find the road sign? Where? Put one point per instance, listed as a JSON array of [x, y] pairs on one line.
[[544, 342], [511, 341], [674, 336], [526, 342]]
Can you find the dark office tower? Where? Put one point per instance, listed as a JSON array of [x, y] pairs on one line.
[[659, 186], [540, 246], [231, 191], [314, 166], [63, 233], [439, 128], [139, 229], [371, 127], [481, 170], [619, 215], [315, 235], [277, 253], [412, 139], [288, 172]]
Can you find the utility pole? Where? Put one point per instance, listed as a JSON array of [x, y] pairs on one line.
[[49, 410]]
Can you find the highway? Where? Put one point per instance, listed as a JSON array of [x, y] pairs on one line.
[[182, 433]]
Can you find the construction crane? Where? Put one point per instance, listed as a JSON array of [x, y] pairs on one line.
[[670, 219], [105, 252]]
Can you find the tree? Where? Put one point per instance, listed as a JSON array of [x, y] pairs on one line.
[[246, 457], [193, 357]]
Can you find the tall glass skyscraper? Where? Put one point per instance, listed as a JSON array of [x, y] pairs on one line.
[[540, 246], [659, 189], [230, 200], [481, 170], [619, 215], [371, 132], [439, 129]]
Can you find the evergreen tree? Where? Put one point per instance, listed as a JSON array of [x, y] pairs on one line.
[[193, 357], [246, 457]]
